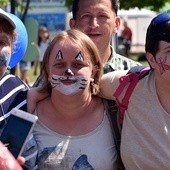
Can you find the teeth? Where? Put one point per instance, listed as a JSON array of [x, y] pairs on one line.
[[72, 78], [68, 79]]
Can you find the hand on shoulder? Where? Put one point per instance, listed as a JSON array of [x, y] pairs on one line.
[[110, 82], [33, 97]]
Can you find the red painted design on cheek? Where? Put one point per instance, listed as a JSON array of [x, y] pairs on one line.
[[162, 65]]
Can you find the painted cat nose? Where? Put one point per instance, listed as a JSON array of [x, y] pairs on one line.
[[68, 72]]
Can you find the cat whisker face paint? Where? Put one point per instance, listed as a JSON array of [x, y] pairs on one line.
[[68, 85], [79, 57], [59, 55]]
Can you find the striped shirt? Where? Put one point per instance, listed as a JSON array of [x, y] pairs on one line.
[[13, 93]]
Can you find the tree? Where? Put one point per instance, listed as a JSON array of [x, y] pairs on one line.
[[25, 10], [21, 5], [154, 5], [68, 4]]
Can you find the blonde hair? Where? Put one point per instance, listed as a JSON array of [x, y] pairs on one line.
[[86, 45]]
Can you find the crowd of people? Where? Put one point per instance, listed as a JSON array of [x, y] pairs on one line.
[[69, 85]]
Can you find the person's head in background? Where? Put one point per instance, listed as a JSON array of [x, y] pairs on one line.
[[43, 34], [125, 23], [71, 57], [7, 36], [157, 45], [98, 19]]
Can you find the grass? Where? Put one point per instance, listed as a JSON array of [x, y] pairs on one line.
[[136, 57], [31, 76]]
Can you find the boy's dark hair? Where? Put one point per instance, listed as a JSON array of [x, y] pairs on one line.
[[75, 4], [7, 28], [159, 29]]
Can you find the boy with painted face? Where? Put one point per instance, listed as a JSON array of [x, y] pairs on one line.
[[146, 127], [13, 91], [11, 86], [73, 116], [7, 36]]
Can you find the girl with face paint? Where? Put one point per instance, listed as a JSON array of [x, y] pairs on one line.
[[69, 83], [73, 131]]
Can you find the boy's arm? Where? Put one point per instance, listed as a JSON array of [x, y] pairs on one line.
[[109, 84], [33, 97]]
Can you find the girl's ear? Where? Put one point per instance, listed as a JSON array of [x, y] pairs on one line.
[[151, 60]]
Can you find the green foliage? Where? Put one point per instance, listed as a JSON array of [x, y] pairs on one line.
[[3, 3], [166, 7], [155, 5], [18, 4], [68, 4]]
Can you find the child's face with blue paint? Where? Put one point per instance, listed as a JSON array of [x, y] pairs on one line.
[[5, 50]]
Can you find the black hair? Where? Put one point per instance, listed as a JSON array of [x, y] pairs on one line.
[[75, 5], [159, 29]]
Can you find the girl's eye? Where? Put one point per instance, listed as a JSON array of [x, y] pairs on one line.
[[59, 65], [79, 65]]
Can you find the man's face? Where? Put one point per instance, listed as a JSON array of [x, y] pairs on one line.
[[96, 19]]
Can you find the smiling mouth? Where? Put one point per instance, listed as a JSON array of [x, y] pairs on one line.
[[94, 35], [68, 81]]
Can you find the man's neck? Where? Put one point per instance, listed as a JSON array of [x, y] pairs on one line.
[[106, 54]]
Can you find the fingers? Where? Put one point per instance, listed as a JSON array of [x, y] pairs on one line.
[[21, 160], [7, 161]]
